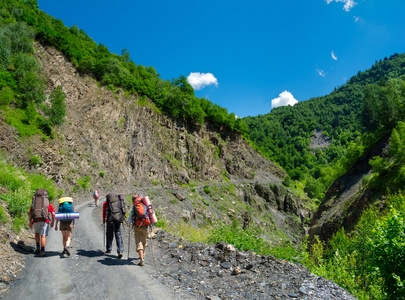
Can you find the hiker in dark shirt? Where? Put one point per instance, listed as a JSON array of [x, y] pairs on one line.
[[113, 227]]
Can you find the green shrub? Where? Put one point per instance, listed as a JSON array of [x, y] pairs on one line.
[[207, 190], [386, 244], [102, 174], [248, 239], [3, 217], [6, 96], [18, 119], [84, 183], [57, 111], [121, 122], [21, 187], [35, 160], [18, 223]]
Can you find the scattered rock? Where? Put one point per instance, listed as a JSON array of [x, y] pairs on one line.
[[206, 272], [236, 271]]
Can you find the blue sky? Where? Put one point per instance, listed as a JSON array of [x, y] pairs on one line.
[[245, 55]]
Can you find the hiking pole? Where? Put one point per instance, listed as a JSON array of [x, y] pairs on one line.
[[151, 240], [129, 238], [104, 235]]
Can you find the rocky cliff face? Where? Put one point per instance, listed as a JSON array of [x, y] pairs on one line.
[[115, 141], [126, 140]]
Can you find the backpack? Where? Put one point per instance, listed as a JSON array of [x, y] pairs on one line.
[[66, 207], [122, 199], [40, 206], [116, 208], [140, 212], [96, 195]]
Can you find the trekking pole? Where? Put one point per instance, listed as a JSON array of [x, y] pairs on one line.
[[129, 238], [151, 240], [104, 235]]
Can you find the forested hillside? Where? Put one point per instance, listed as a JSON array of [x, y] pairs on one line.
[[350, 120], [21, 21]]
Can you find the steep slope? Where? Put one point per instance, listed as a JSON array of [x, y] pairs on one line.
[[347, 197], [114, 141], [129, 141]]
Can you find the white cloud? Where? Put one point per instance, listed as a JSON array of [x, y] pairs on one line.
[[349, 4], [283, 99], [320, 72], [200, 80], [333, 55], [356, 19]]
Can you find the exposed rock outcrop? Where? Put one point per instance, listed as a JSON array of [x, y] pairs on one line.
[[114, 140], [345, 200], [117, 139]]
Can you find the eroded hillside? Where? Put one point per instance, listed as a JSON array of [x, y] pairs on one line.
[[115, 141]]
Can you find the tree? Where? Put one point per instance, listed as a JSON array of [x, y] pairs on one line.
[[125, 55], [185, 87], [58, 106]]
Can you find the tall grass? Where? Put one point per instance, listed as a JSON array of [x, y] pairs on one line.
[[20, 187], [369, 262]]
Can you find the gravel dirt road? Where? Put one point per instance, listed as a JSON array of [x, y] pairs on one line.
[[88, 273]]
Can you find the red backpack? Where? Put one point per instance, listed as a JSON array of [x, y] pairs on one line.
[[140, 212]]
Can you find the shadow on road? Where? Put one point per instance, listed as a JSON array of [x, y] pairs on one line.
[[22, 248], [111, 260], [48, 254], [90, 253]]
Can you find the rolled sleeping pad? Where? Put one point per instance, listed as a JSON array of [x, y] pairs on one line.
[[66, 216], [152, 215]]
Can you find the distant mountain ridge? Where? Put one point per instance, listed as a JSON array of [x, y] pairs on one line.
[[284, 134]]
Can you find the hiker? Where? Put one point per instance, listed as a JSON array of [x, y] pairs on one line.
[[66, 225], [114, 214], [39, 219], [96, 196], [141, 217]]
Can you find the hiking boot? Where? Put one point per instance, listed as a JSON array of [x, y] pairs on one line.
[[141, 263], [67, 251], [37, 251], [119, 255], [108, 252], [64, 251], [42, 253]]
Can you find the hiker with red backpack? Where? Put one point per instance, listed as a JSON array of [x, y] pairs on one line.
[[114, 214], [142, 216], [39, 219], [96, 197], [66, 225]]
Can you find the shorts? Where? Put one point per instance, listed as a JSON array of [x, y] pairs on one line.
[[66, 226], [140, 237], [42, 228]]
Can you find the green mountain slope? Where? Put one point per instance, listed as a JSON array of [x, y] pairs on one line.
[[175, 98], [346, 119]]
